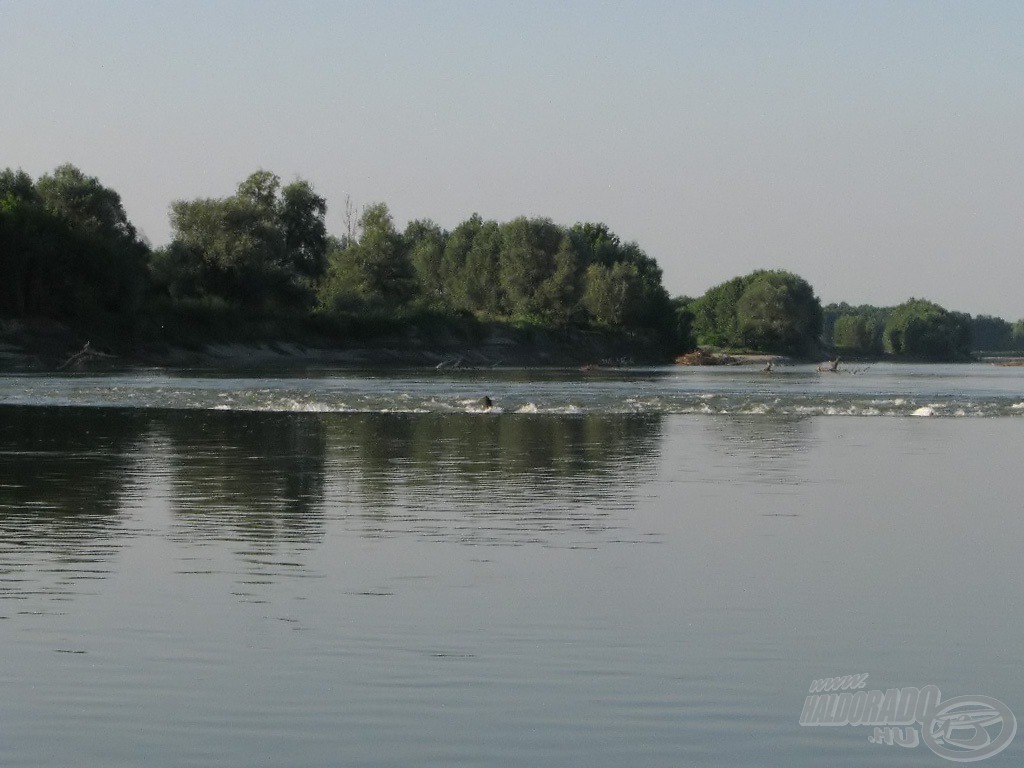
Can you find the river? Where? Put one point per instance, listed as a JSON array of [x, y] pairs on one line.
[[640, 567]]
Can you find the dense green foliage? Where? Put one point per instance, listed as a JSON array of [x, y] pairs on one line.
[[771, 311], [264, 248], [67, 249], [371, 273], [261, 260], [855, 331], [524, 269], [924, 330], [858, 335], [991, 334], [918, 329]]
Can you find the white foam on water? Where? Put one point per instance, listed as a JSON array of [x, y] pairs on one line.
[[528, 408], [895, 401], [924, 410], [473, 405], [567, 409]]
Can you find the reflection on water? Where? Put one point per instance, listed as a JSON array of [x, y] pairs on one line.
[[63, 478], [250, 477], [79, 483], [264, 477], [270, 588], [759, 449], [498, 479]]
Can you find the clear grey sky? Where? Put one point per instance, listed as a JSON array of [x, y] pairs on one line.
[[876, 148]]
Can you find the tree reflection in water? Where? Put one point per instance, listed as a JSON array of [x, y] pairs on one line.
[[73, 479], [64, 474], [255, 477], [508, 478], [264, 477]]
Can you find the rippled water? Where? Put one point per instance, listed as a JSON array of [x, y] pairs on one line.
[[867, 390], [364, 569]]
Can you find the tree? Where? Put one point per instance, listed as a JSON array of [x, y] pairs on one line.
[[527, 262], [596, 244], [18, 185], [237, 247], [771, 311], [38, 254], [611, 294], [373, 273], [261, 189], [922, 329], [481, 273], [425, 243], [85, 203], [263, 248], [644, 301], [67, 248], [991, 333], [455, 275], [1018, 335], [341, 286], [683, 337], [874, 318], [302, 214], [857, 334], [382, 257], [558, 296], [714, 313], [778, 312]]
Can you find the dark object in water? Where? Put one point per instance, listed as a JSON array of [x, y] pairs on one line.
[[486, 402]]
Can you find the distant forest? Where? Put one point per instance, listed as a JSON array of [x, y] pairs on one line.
[[260, 264], [775, 311]]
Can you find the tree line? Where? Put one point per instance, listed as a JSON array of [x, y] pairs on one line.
[[263, 254], [918, 328], [67, 248], [777, 311], [69, 252]]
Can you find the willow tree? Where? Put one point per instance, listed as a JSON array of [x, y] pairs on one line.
[[373, 272], [771, 311], [265, 247], [922, 329]]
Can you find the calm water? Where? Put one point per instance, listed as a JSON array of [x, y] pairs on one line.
[[623, 568]]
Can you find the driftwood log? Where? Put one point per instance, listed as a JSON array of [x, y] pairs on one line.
[[83, 355]]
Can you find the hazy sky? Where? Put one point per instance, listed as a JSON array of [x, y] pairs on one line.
[[876, 148]]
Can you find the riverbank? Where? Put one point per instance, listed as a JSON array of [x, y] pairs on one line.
[[709, 357], [49, 346]]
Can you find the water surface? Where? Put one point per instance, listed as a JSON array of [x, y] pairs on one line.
[[619, 568]]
